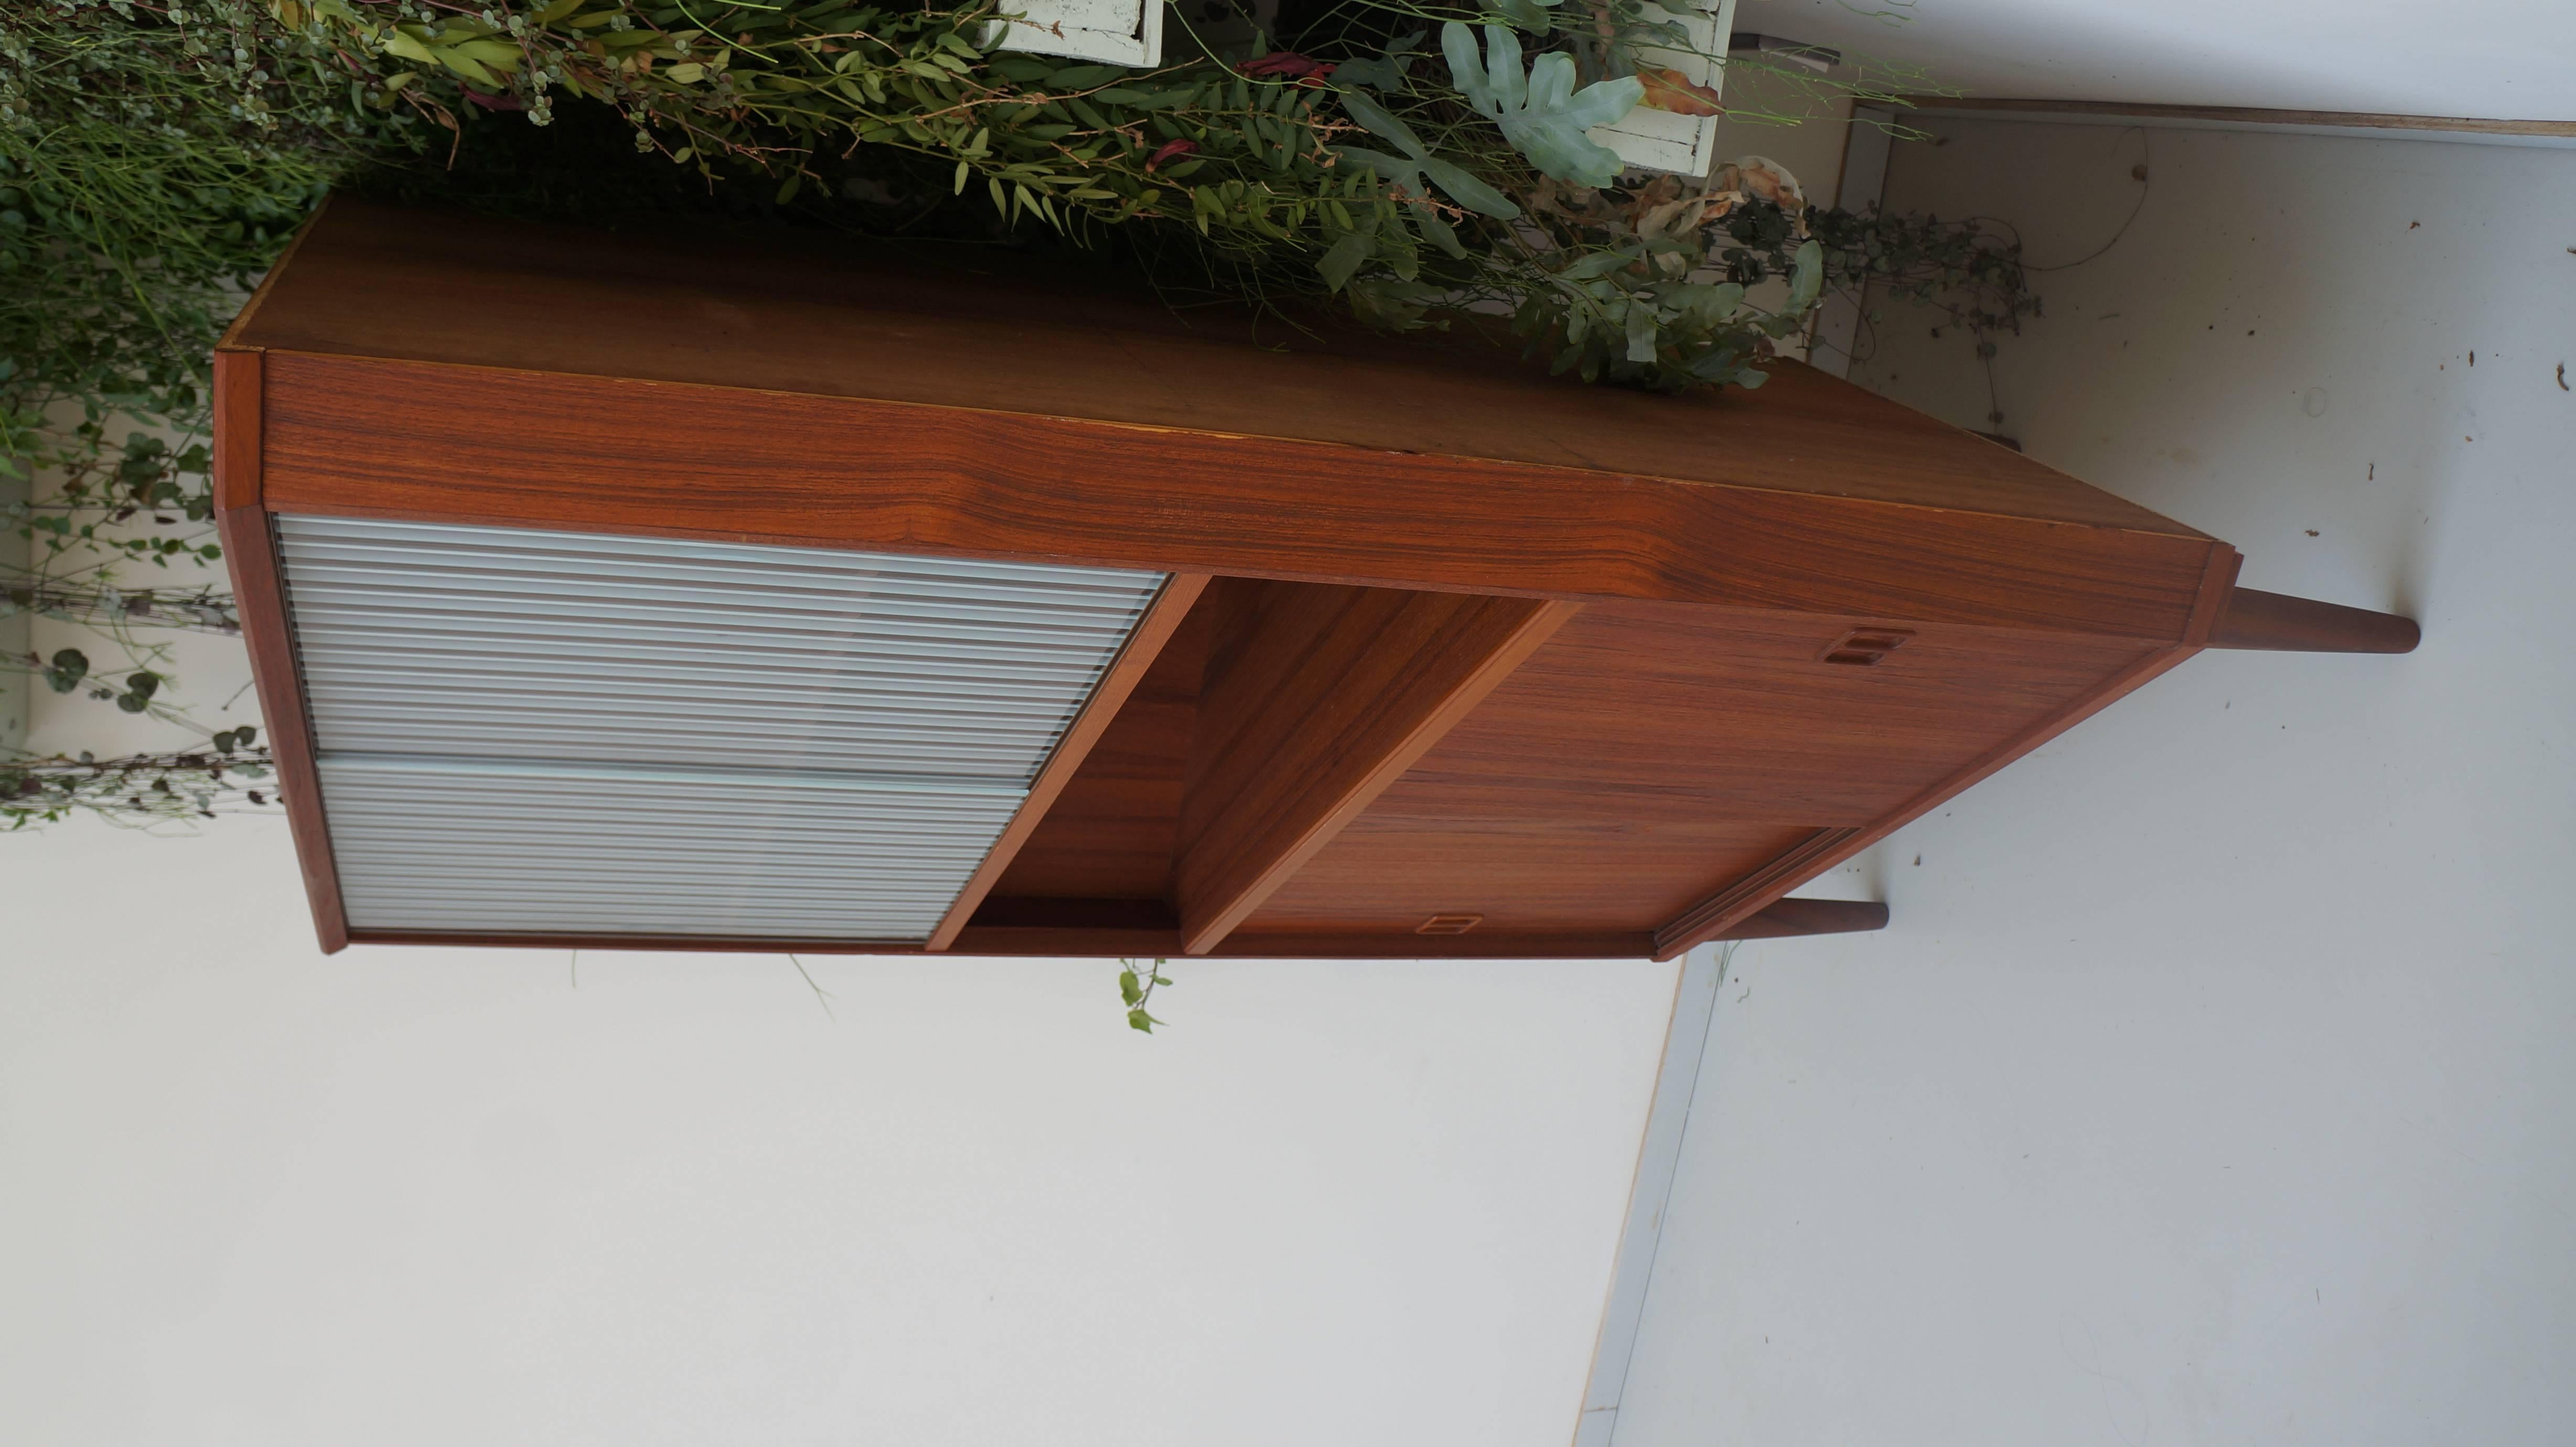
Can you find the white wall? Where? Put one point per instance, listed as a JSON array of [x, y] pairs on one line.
[[2210, 1086], [2213, 1083], [1799, 125], [2507, 59], [212, 672], [252, 1195]]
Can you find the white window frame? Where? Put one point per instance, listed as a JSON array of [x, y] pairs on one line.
[[1119, 32], [1660, 140]]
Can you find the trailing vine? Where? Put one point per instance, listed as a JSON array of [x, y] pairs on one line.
[[140, 790], [1136, 986], [149, 169], [1965, 271]]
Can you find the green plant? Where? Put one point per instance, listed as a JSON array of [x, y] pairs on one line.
[[149, 167], [141, 790], [1541, 114], [1136, 985], [154, 156], [1969, 272], [1250, 158], [201, 608]]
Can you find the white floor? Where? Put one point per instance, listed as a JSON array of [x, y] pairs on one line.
[[2214, 1083]]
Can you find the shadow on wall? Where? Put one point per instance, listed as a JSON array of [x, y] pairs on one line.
[[2228, 284], [2483, 58]]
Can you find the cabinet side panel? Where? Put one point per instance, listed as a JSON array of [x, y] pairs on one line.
[[1650, 754], [252, 555], [470, 444]]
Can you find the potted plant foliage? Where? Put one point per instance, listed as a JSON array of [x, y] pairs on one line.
[[1404, 164], [1542, 163]]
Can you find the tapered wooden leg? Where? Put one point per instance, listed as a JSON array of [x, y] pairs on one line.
[[2276, 621], [1784, 918]]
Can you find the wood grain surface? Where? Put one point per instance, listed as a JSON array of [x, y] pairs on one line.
[[1162, 619], [1746, 895], [236, 445], [1317, 698], [1729, 905], [1479, 643], [250, 557], [2276, 622], [1112, 831], [1007, 334], [1651, 754], [1791, 917], [468, 444]]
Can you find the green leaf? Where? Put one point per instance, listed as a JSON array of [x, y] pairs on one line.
[[407, 46], [1128, 989], [1021, 66], [1599, 263], [1147, 100], [1396, 303], [1529, 15], [1806, 276], [1139, 1020], [66, 669], [456, 59], [1469, 192], [1381, 72], [1430, 224], [1708, 304], [1641, 331], [1408, 174], [1343, 260], [1084, 77], [1540, 113], [1382, 122]]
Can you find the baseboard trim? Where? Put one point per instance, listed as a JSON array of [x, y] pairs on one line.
[[1703, 970], [2240, 118]]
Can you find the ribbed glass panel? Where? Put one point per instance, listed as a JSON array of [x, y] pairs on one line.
[[561, 732]]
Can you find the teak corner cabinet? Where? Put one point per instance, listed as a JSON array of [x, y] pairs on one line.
[[618, 592]]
